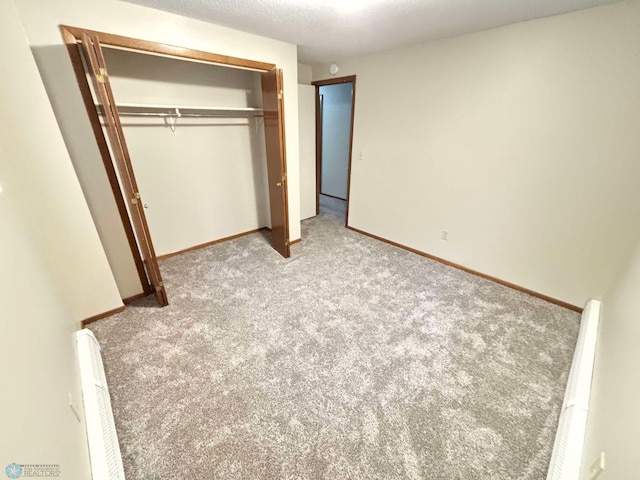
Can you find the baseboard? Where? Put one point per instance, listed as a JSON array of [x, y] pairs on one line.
[[214, 242], [291, 242], [133, 298], [100, 316], [333, 196], [473, 272]]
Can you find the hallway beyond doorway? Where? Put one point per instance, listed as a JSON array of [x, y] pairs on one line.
[[333, 207]]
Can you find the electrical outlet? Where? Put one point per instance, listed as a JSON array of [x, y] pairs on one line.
[[597, 467], [445, 235], [74, 408]]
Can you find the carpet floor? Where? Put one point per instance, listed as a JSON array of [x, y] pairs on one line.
[[352, 359]]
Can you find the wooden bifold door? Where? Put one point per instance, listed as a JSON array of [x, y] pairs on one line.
[[85, 49], [102, 89], [273, 106]]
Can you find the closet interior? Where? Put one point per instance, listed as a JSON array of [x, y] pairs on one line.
[[193, 146]]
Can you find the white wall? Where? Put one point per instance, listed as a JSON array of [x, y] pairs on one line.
[[307, 130], [37, 359], [614, 417], [207, 180], [41, 21], [520, 141], [336, 135], [47, 177], [38, 365], [305, 74]]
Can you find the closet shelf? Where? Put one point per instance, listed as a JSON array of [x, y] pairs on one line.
[[135, 110]]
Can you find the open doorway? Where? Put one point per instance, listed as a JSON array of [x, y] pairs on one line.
[[335, 106]]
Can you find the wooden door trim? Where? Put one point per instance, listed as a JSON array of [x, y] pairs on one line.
[[283, 142], [322, 83], [156, 48], [334, 81], [319, 117], [94, 119]]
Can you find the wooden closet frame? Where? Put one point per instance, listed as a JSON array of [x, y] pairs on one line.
[[73, 38]]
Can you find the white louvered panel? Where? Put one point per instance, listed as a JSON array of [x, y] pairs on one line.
[[567, 449], [107, 433], [96, 359], [104, 450]]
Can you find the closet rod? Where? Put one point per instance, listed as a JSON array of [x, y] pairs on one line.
[[187, 115], [177, 112]]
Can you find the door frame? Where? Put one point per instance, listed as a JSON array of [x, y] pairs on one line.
[[72, 37], [323, 83]]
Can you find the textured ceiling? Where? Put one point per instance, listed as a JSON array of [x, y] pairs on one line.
[[327, 30]]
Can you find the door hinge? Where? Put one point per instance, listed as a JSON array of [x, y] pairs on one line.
[[101, 73], [159, 286], [135, 198], [280, 94]]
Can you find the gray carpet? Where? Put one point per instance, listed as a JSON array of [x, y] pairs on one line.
[[353, 359]]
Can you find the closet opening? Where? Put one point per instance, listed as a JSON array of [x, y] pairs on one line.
[[192, 142], [335, 107]]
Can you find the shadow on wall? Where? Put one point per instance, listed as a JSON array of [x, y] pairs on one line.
[[64, 95], [62, 89], [141, 66]]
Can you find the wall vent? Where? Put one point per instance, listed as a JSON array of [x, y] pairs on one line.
[[104, 450], [567, 449]]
